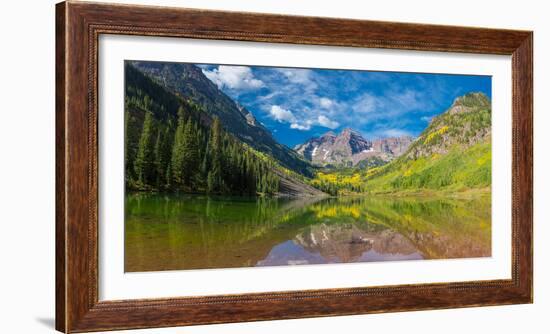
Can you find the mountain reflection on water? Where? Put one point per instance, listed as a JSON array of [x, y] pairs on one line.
[[341, 244], [174, 232]]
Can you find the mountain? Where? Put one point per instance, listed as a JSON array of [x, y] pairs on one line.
[[187, 81], [465, 123], [349, 242], [349, 148], [453, 153], [172, 144]]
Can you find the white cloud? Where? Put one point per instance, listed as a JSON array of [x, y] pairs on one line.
[[392, 105], [326, 102], [365, 104], [296, 75], [305, 125], [233, 77], [409, 99], [282, 115], [301, 77], [301, 127], [327, 123]]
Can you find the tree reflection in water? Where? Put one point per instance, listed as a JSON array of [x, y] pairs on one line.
[[169, 232]]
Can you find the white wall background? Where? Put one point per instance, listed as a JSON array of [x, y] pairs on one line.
[[27, 164]]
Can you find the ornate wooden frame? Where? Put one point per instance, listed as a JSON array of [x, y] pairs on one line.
[[78, 25]]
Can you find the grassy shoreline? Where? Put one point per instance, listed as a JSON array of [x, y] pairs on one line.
[[460, 194], [467, 193]]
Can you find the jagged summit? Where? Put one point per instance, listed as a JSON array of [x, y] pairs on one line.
[[465, 123], [329, 134], [350, 131], [350, 148], [477, 99]]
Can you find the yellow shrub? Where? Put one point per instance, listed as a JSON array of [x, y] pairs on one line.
[[436, 133]]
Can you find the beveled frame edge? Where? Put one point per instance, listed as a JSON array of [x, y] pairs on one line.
[[78, 26]]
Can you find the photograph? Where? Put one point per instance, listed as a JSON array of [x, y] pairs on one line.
[[278, 166], [231, 166]]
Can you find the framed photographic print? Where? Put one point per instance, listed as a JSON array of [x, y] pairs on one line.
[[222, 166]]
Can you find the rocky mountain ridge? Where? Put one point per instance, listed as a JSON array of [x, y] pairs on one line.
[[350, 148], [189, 82], [452, 153], [466, 123]]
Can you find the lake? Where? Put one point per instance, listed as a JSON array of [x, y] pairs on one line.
[[175, 232]]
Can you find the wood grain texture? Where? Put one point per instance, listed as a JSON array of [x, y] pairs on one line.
[[78, 26], [60, 134]]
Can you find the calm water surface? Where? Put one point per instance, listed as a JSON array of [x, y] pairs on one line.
[[171, 232]]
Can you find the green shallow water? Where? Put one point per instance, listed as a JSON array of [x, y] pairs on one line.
[[175, 232]]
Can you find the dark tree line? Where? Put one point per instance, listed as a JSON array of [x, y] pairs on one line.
[[166, 153]]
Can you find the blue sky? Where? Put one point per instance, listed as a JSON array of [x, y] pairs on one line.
[[297, 104]]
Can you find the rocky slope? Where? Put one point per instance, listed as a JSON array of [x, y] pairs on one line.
[[349, 243], [452, 154], [188, 81], [465, 123], [293, 187], [143, 93], [350, 148]]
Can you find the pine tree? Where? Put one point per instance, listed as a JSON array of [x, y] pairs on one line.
[[168, 176], [177, 161], [128, 157], [181, 154], [214, 175], [144, 164], [201, 150], [205, 161], [159, 161], [190, 154], [211, 182], [163, 147]]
